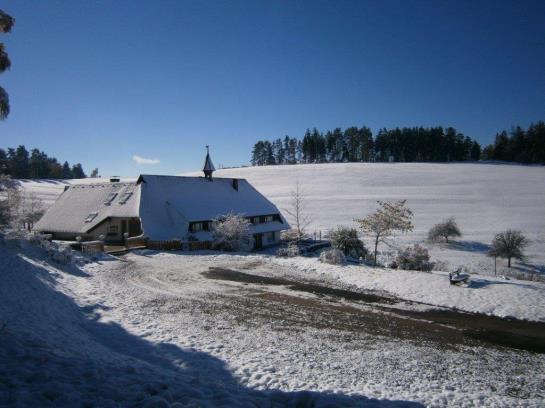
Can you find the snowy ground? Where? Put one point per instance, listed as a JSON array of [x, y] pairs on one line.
[[163, 329], [205, 329]]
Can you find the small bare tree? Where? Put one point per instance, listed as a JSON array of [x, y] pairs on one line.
[[32, 210], [446, 229], [298, 211], [509, 244], [384, 222]]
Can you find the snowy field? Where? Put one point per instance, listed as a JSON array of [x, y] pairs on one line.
[[176, 329], [484, 198]]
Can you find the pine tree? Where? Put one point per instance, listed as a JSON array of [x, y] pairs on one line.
[[77, 171], [66, 171], [6, 24]]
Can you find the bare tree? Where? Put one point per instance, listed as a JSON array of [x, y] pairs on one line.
[[446, 229], [33, 209], [384, 222], [509, 244], [298, 211]]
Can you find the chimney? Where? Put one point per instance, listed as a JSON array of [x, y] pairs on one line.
[[235, 184]]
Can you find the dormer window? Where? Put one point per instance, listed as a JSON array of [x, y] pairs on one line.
[[124, 198], [269, 218], [91, 216], [111, 197]]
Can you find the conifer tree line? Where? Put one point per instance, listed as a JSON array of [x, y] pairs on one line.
[[20, 163], [519, 145], [417, 144], [434, 144]]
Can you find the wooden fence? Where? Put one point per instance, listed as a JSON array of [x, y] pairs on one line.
[[199, 245], [92, 247], [136, 242], [172, 245]]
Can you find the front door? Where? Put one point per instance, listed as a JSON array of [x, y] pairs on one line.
[[123, 228], [258, 241]]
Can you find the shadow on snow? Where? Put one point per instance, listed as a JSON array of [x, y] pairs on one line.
[[56, 353]]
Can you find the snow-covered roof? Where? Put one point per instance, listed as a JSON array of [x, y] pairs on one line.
[[165, 204], [82, 207], [169, 203]]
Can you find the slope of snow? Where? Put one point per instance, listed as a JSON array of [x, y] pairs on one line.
[[487, 295], [484, 198]]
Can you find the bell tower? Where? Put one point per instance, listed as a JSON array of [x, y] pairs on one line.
[[208, 167]]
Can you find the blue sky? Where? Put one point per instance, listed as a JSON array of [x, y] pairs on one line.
[[98, 82]]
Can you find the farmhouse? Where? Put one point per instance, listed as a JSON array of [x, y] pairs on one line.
[[160, 208]]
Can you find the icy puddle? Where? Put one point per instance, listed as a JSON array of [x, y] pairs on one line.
[[390, 316]]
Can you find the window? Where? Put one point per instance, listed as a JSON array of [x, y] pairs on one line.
[[254, 220], [269, 218], [196, 227], [113, 229], [270, 236], [111, 197], [124, 198], [91, 216]]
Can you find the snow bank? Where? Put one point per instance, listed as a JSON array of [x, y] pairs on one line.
[[491, 296]]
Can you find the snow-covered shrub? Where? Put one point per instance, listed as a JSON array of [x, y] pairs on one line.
[[346, 240], [290, 251], [291, 235], [414, 258], [333, 256], [231, 233], [446, 229], [61, 254]]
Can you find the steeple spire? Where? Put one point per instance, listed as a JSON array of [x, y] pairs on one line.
[[208, 167]]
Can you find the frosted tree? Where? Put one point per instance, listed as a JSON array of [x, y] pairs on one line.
[[509, 244], [385, 221], [445, 230], [231, 233], [32, 210], [10, 201], [297, 211]]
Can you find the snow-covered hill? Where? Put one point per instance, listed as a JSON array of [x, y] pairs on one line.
[[484, 198]]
